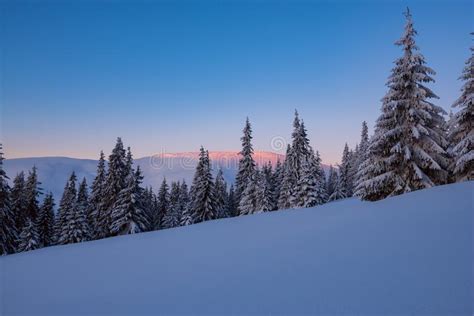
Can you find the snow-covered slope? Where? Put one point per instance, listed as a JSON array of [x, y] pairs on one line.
[[408, 255], [53, 172]]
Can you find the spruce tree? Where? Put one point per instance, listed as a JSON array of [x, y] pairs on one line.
[[231, 206], [149, 205], [203, 203], [75, 228], [8, 232], [129, 215], [364, 141], [462, 132], [287, 183], [32, 192], [247, 164], [320, 178], [248, 198], [407, 151], [183, 200], [277, 180], [18, 201], [187, 216], [66, 207], [339, 191], [362, 154], [96, 201], [332, 181], [29, 237], [142, 196], [307, 186], [115, 182], [220, 193], [45, 222], [345, 171], [128, 162], [293, 162], [266, 200], [298, 168], [66, 202], [83, 196], [172, 217], [163, 203]]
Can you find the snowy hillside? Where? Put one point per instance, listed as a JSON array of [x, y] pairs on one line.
[[410, 254], [54, 171]]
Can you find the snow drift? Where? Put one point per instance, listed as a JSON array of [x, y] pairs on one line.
[[412, 254]]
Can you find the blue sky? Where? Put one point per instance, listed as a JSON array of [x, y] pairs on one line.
[[171, 76]]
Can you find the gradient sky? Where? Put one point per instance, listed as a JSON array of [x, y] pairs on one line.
[[170, 76]]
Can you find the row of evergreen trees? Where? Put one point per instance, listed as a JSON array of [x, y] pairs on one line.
[[117, 204], [413, 147], [297, 182]]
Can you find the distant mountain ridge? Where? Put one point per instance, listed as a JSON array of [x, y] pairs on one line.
[[54, 171]]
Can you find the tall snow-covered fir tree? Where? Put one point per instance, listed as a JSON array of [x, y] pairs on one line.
[[148, 198], [287, 183], [8, 232], [150, 204], [142, 196], [339, 191], [172, 217], [45, 221], [163, 203], [203, 202], [96, 199], [32, 192], [18, 201], [345, 171], [307, 186], [230, 205], [83, 197], [311, 183], [66, 206], [293, 162], [407, 151], [115, 182], [75, 228], [128, 162], [187, 216], [247, 164], [332, 180], [277, 180], [364, 141], [266, 200], [29, 237], [303, 165], [66, 202], [301, 177], [220, 193], [320, 193], [248, 198], [129, 215], [462, 131], [183, 200], [362, 154]]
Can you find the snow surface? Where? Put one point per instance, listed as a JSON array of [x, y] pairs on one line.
[[407, 255]]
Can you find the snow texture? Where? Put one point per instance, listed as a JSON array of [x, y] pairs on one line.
[[407, 255]]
